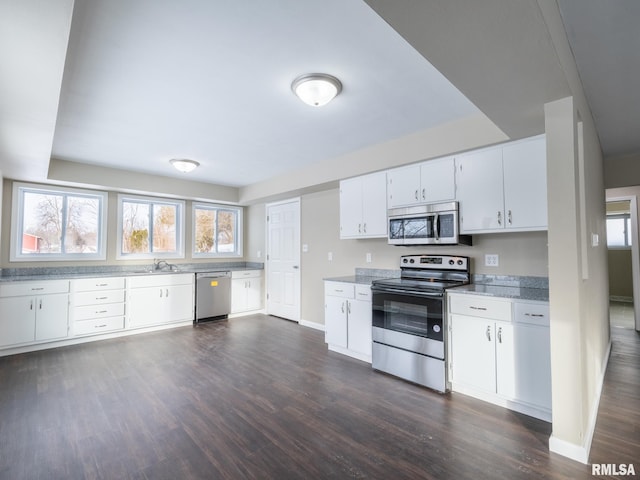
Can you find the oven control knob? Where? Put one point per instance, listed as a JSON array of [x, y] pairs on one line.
[[412, 261], [460, 262], [436, 328], [451, 262], [405, 260]]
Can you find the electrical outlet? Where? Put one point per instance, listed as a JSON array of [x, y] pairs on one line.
[[492, 260], [330, 256], [368, 258], [305, 248], [259, 254]]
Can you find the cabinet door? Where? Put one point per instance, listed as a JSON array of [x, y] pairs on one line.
[[523, 364], [17, 320], [374, 205], [473, 352], [351, 208], [403, 186], [178, 303], [145, 307], [525, 184], [239, 295], [335, 321], [52, 316], [359, 327], [437, 178], [480, 190], [254, 293]]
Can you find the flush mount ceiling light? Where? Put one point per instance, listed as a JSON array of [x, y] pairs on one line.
[[316, 89], [184, 164]]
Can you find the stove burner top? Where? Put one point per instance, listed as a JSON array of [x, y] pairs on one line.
[[417, 284]]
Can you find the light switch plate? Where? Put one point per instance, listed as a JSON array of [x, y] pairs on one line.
[[368, 257]]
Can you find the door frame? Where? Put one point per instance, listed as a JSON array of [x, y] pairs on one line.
[[297, 201], [635, 252]]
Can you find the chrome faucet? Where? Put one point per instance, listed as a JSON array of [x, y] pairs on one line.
[[162, 265]]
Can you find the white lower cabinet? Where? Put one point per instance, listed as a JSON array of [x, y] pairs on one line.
[[160, 299], [33, 312], [97, 305], [246, 290], [500, 352], [348, 319]]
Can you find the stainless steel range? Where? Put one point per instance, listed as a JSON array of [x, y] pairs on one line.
[[409, 318]]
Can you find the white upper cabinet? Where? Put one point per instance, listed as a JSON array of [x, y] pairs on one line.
[[525, 184], [363, 206], [429, 182], [503, 188]]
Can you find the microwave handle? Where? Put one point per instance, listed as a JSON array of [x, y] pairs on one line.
[[435, 227]]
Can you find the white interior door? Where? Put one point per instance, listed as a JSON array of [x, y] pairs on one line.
[[283, 259]]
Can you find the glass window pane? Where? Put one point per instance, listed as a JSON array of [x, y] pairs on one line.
[[82, 232], [616, 232], [164, 228], [42, 223], [226, 231], [135, 227], [204, 230]]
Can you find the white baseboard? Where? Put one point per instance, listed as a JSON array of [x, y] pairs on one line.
[[314, 325], [580, 453]]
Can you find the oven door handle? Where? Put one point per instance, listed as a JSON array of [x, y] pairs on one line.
[[375, 289]]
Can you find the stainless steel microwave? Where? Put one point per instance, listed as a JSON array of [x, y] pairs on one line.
[[433, 224]]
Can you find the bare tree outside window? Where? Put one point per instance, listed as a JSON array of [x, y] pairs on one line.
[[59, 223], [150, 227], [215, 230]]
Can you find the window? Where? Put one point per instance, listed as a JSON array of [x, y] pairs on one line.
[[217, 230], [619, 230], [57, 224], [150, 228]]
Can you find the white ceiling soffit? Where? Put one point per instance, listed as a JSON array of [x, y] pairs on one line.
[[605, 41], [33, 43], [147, 80]]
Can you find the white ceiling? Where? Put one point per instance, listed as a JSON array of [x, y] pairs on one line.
[[148, 80]]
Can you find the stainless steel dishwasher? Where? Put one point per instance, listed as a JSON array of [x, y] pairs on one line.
[[213, 296]]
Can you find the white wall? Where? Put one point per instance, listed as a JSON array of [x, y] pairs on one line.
[[520, 253]]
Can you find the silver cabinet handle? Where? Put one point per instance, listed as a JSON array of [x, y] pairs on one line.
[[424, 197], [40, 305], [359, 228], [342, 307], [297, 267], [31, 305], [500, 218], [364, 228], [37, 289], [101, 298], [534, 315], [416, 194], [160, 293], [348, 307], [489, 333], [167, 290], [509, 219], [477, 308], [500, 335]]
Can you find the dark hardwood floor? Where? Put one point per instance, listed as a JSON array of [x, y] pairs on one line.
[[260, 397]]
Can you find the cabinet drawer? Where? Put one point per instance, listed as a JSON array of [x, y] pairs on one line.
[[533, 313], [246, 273], [17, 289], [90, 284], [98, 297], [160, 280], [98, 325], [363, 292], [478, 306], [339, 289], [98, 311]]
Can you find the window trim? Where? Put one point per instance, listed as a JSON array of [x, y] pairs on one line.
[[17, 222], [239, 230], [180, 228]]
